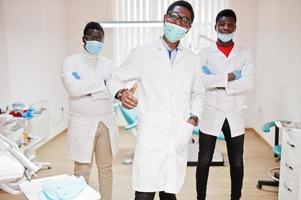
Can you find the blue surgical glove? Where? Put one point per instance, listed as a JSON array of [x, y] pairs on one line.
[[206, 70], [237, 74], [75, 75]]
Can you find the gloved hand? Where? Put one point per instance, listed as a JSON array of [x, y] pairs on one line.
[[237, 74], [76, 75], [206, 70]]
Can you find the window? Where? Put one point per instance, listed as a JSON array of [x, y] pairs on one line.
[[139, 22]]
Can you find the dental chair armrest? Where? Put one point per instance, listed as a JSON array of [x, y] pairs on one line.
[[267, 126], [196, 130]]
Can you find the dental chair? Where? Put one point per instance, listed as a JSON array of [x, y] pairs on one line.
[[16, 171], [130, 117], [273, 173], [15, 167]]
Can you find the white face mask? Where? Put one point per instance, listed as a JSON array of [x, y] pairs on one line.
[[173, 32], [94, 47], [225, 37]]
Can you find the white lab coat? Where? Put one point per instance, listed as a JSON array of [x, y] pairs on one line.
[[228, 103], [86, 111], [167, 95]]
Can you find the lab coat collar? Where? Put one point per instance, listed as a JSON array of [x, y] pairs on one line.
[[161, 48], [236, 49]]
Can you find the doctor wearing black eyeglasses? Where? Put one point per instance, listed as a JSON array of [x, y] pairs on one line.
[[168, 95]]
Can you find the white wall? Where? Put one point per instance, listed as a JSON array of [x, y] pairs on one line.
[[35, 37], [4, 70], [278, 94], [35, 47]]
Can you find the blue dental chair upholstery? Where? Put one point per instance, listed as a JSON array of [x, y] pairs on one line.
[[130, 117]]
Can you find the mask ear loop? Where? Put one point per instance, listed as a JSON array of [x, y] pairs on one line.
[[85, 42]]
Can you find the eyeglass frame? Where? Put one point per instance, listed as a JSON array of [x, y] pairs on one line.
[[179, 18]]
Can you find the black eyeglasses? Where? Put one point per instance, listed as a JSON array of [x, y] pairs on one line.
[[93, 38], [174, 16]]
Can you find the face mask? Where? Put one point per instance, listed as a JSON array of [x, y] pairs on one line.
[[225, 37], [94, 47], [173, 32]]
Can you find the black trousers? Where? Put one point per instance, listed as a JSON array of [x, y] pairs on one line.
[[235, 154], [151, 196]]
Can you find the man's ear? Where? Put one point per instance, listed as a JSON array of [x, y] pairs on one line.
[[164, 18], [215, 27], [84, 41], [234, 28]]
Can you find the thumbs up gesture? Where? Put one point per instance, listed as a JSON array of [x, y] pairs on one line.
[[128, 100]]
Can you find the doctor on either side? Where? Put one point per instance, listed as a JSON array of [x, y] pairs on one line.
[[169, 96], [92, 127], [228, 73]]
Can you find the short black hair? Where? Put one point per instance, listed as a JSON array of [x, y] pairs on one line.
[[184, 4], [226, 13], [93, 25]]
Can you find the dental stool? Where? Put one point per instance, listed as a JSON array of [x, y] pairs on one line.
[[273, 173]]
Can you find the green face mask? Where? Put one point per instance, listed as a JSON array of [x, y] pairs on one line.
[[173, 32]]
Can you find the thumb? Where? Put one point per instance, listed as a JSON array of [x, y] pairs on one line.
[[134, 88]]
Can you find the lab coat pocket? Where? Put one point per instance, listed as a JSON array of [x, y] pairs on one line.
[[184, 134]]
